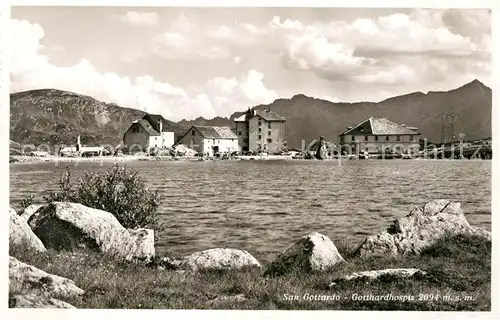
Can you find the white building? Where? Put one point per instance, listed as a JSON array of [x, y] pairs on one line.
[[79, 150], [148, 132], [210, 140], [260, 130]]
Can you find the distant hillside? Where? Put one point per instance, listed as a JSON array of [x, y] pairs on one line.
[[58, 117], [438, 115]]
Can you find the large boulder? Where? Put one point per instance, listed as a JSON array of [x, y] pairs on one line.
[[29, 211], [422, 228], [35, 301], [21, 236], [313, 252], [144, 243], [23, 276], [219, 259], [400, 273], [64, 226]]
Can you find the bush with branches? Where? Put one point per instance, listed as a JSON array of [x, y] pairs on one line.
[[118, 191]]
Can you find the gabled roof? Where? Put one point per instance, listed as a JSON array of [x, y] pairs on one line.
[[241, 118], [147, 126], [380, 126], [265, 114], [209, 132], [268, 115], [154, 121]]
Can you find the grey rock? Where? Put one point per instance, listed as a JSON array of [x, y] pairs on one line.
[[34, 301], [145, 243], [422, 228], [219, 259], [229, 299], [65, 225], [21, 235], [30, 210], [313, 252], [375, 274], [24, 276]]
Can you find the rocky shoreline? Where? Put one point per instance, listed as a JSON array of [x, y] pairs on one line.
[[68, 227]]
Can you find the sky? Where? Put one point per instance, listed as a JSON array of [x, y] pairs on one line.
[[186, 63]]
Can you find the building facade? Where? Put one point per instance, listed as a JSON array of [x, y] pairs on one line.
[[260, 130], [147, 133], [209, 140], [79, 150], [378, 135]]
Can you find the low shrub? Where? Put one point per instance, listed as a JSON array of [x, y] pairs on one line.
[[26, 202], [118, 191]]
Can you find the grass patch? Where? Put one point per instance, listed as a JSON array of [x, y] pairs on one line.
[[458, 267]]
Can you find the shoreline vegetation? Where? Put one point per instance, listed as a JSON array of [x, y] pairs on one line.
[[70, 252], [458, 279]]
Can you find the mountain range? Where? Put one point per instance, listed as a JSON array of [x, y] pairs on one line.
[[57, 117]]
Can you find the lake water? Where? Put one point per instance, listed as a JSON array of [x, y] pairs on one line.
[[264, 206]]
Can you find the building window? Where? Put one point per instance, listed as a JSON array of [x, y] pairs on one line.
[[269, 140], [245, 140], [193, 133], [386, 138], [376, 138], [259, 137], [218, 141], [260, 130], [259, 123], [411, 138], [398, 138], [366, 138], [269, 133], [213, 141], [269, 125], [353, 138], [239, 133]]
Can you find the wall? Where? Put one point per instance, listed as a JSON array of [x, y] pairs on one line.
[[227, 145], [276, 133], [193, 140], [168, 139], [277, 136], [154, 141], [406, 142], [200, 144], [241, 131], [136, 138]]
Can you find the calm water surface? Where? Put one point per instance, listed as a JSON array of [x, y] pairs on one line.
[[263, 206]]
